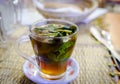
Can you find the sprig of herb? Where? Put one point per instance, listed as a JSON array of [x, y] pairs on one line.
[[62, 53], [64, 49]]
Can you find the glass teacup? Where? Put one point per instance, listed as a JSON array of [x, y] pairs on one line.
[[53, 42]]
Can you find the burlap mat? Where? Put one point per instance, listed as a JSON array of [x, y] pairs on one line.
[[90, 54]]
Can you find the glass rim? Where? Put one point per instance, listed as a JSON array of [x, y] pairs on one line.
[[57, 20]]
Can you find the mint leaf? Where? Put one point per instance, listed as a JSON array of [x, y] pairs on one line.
[[63, 52]]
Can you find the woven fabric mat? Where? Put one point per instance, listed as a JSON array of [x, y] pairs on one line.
[[90, 55]]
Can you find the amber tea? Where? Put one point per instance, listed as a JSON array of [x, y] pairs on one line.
[[53, 45]]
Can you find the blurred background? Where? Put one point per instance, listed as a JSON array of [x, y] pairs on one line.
[[16, 14]]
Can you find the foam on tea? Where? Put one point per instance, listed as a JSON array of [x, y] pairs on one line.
[[53, 45]]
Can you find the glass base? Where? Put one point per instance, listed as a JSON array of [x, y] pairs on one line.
[[33, 74], [49, 77]]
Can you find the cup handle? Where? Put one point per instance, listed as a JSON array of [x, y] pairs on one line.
[[18, 43]]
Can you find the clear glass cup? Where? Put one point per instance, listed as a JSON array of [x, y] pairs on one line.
[[11, 12], [51, 52], [3, 36]]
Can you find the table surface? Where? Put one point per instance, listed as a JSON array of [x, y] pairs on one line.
[[92, 57]]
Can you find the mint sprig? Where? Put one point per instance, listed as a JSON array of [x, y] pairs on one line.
[[62, 53]]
